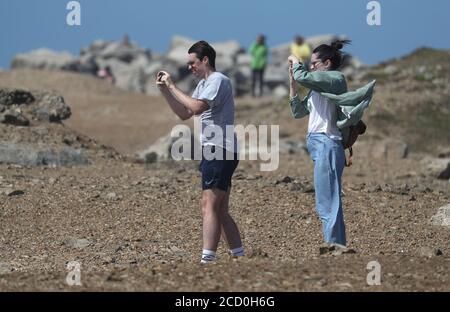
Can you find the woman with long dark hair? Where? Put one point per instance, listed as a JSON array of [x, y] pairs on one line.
[[328, 127]]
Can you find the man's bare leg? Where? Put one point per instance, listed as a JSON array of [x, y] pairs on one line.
[[230, 231], [211, 204]]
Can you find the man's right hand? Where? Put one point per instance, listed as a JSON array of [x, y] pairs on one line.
[[164, 77], [159, 82]]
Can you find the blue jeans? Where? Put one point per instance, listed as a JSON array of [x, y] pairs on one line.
[[329, 161]]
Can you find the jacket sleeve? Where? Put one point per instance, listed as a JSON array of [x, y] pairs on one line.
[[299, 108], [319, 81], [352, 105], [353, 98]]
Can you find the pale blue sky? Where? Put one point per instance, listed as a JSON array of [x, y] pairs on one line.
[[406, 24]]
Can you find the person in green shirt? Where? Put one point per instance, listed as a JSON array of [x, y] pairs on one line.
[[259, 52]]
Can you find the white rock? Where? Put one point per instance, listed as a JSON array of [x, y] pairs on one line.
[[442, 218]]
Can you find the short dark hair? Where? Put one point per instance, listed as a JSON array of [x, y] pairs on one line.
[[331, 52], [202, 49]]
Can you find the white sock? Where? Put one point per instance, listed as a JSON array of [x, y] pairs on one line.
[[237, 252], [208, 256]]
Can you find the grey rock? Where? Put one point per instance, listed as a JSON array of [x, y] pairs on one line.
[[16, 193], [111, 196], [442, 217], [280, 55], [125, 52], [275, 75], [161, 149], [445, 153], [36, 155], [286, 180], [14, 117], [445, 174], [335, 249], [388, 149], [52, 108], [77, 243], [292, 147], [42, 131], [5, 268], [437, 167], [390, 70], [179, 47], [280, 92], [10, 97], [69, 139], [244, 60], [429, 252], [42, 59], [303, 187], [96, 47], [226, 54]]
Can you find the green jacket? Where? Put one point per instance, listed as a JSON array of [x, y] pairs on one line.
[[259, 55], [332, 85]]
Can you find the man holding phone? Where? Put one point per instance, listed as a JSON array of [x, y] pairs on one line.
[[212, 101]]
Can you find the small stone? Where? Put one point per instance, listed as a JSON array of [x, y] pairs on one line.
[[15, 193], [442, 217], [429, 252], [5, 268], [335, 249], [77, 243], [111, 195]]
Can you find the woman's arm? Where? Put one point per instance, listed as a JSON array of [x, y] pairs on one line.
[[319, 81], [299, 108]]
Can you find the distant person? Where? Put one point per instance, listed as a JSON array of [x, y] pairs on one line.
[[300, 49], [332, 111], [212, 102], [259, 53], [106, 74]]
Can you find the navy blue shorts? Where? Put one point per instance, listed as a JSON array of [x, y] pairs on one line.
[[217, 173]]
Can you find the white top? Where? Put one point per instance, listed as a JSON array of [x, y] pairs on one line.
[[217, 121], [323, 116]]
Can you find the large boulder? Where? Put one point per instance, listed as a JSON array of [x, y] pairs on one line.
[[18, 106], [42, 59], [275, 75], [125, 52], [36, 155], [51, 107], [14, 117], [227, 54], [437, 167], [9, 97], [387, 149], [161, 149], [178, 50]]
